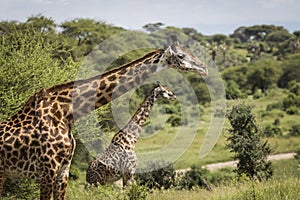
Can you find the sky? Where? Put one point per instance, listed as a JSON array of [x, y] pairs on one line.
[[207, 16]]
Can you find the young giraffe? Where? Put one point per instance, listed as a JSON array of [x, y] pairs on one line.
[[119, 159], [42, 147]]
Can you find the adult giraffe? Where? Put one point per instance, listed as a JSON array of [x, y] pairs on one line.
[[37, 142]]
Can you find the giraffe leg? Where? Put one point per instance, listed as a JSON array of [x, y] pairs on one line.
[[61, 182], [2, 177], [47, 184], [127, 178]]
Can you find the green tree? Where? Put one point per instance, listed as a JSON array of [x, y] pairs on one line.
[[236, 74], [278, 36], [27, 65], [263, 74], [41, 24], [233, 91], [218, 38], [291, 71], [152, 27], [245, 142], [239, 33], [283, 41], [84, 34], [256, 32]]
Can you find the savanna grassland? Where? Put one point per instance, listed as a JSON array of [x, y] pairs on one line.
[[259, 66]]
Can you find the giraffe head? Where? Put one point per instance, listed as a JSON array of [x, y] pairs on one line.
[[181, 58], [163, 91]]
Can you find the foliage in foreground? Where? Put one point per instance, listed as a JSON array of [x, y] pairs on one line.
[[283, 185], [160, 175]]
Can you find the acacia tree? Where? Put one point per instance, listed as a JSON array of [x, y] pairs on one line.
[[245, 142], [263, 74]]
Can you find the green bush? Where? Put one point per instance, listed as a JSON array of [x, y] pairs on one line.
[[171, 109], [233, 91], [258, 94], [293, 110], [161, 175], [294, 87], [290, 101], [295, 130], [271, 131], [297, 156], [176, 120], [21, 189], [136, 192], [194, 178], [274, 106]]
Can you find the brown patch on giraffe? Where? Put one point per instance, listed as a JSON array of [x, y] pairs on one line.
[[102, 85]]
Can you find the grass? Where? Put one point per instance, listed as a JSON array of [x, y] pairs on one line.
[[275, 190], [283, 185]]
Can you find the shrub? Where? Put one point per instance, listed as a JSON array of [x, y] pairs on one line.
[[136, 192], [274, 106], [258, 94], [271, 131], [21, 189], [295, 130], [171, 109], [233, 91], [294, 87], [175, 120], [291, 101], [276, 122], [74, 173], [297, 156], [194, 178], [161, 175], [293, 110]]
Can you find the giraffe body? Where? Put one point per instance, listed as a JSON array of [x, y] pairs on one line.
[[36, 142], [33, 147], [119, 159]]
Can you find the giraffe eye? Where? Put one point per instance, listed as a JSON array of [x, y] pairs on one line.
[[181, 56]]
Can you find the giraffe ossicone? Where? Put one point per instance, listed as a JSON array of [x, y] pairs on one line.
[[37, 142]]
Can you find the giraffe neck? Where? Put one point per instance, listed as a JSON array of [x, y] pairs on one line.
[[79, 98], [140, 116], [129, 135]]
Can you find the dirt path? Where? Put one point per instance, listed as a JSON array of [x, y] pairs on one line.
[[216, 166]]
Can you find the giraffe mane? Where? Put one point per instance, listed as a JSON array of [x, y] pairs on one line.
[[32, 98], [72, 83]]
